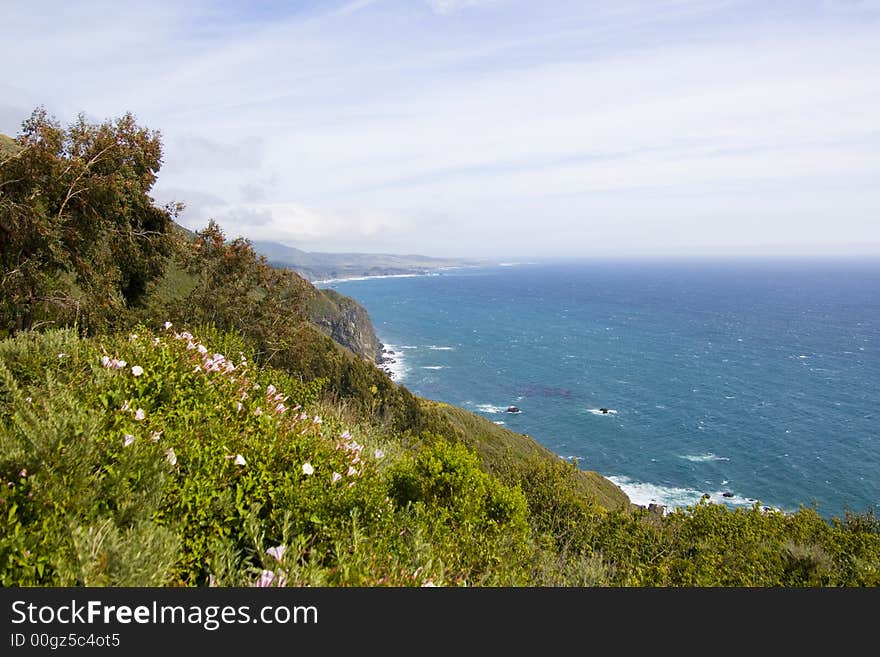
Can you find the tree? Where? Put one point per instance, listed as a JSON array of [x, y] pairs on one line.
[[81, 236], [236, 289]]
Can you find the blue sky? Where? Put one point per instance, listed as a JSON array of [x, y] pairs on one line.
[[485, 127]]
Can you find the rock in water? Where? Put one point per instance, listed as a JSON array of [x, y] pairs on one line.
[[512, 409]]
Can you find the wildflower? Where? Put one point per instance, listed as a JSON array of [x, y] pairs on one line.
[[270, 390], [197, 368], [125, 406], [202, 349], [379, 454], [167, 325], [212, 581], [190, 346], [29, 400], [117, 364], [308, 469], [62, 355], [352, 472], [345, 435], [304, 416], [156, 342], [258, 411], [133, 337], [318, 419], [128, 440], [239, 460], [186, 335], [23, 472], [277, 552], [266, 579], [105, 361], [170, 456], [137, 370], [139, 414], [351, 484], [280, 408], [155, 435], [428, 584], [336, 477], [238, 406]]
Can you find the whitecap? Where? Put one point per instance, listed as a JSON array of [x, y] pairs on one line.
[[499, 422], [433, 367], [434, 347], [490, 408], [596, 411], [703, 458]]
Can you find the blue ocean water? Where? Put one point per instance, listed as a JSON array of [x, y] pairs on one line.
[[756, 379]]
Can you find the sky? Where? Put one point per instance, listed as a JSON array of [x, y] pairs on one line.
[[484, 128]]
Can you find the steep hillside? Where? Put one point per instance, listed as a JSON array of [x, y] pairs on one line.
[[346, 321]]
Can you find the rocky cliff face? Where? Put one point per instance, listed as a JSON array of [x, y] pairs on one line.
[[347, 322]]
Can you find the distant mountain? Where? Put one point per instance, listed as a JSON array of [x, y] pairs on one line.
[[317, 266]]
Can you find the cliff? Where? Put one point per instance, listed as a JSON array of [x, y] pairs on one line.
[[346, 321]]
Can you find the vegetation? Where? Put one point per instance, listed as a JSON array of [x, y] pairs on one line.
[[169, 416]]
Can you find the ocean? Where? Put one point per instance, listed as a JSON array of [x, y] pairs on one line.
[[747, 381]]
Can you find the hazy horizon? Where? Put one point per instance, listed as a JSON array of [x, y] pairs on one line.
[[485, 128]]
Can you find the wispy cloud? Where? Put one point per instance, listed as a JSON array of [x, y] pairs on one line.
[[512, 126]]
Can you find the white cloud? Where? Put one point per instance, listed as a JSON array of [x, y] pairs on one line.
[[376, 125], [452, 6]]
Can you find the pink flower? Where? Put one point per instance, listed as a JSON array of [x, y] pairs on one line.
[[428, 584], [308, 469], [137, 370], [155, 435], [167, 325], [318, 419], [336, 477], [127, 440], [277, 552], [202, 349], [238, 406], [239, 460], [270, 390], [258, 411], [156, 342], [379, 454], [266, 579], [125, 405], [105, 361], [139, 414], [345, 435], [280, 408], [352, 472]]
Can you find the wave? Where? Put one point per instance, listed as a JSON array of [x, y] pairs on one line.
[[434, 367], [703, 458], [327, 281], [673, 497], [598, 411], [434, 347], [499, 422], [396, 365], [490, 408]]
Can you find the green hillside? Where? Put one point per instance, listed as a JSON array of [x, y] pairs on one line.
[[174, 411]]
